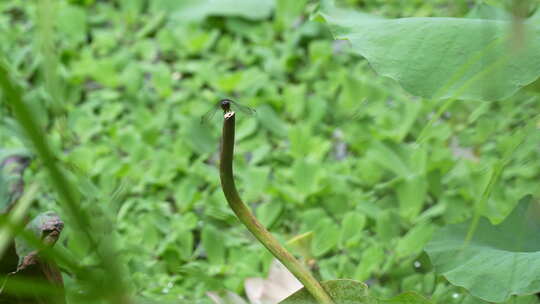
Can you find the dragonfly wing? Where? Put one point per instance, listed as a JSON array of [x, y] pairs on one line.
[[244, 109], [206, 118]]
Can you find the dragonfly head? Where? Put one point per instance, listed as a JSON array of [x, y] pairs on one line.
[[226, 105]]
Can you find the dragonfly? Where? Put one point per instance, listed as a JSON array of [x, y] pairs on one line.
[[226, 105]]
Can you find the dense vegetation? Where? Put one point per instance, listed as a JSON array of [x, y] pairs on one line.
[[119, 87]]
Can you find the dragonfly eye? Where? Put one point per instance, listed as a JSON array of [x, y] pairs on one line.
[[226, 104]]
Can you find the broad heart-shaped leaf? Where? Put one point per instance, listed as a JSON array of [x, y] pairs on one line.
[[440, 58], [499, 261], [352, 292]]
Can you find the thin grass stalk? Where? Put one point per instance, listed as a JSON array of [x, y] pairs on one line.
[[68, 194]]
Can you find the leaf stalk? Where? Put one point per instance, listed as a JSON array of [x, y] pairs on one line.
[[252, 224]]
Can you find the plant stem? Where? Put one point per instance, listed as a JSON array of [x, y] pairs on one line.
[[252, 224]]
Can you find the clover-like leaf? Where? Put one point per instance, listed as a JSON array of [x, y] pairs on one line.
[[499, 261]]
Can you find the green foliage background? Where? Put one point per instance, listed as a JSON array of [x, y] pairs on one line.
[[119, 88]]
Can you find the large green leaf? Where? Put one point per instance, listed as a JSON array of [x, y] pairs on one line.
[[352, 292], [463, 58], [499, 261]]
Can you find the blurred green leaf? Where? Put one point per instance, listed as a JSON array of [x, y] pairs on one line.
[[414, 241], [198, 137], [289, 12], [383, 155], [302, 244], [488, 265], [325, 237], [412, 193], [213, 243], [72, 23], [370, 261], [269, 212], [271, 121], [194, 10], [352, 227], [388, 225], [305, 177], [464, 58]]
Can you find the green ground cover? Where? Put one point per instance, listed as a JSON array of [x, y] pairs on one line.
[[119, 88]]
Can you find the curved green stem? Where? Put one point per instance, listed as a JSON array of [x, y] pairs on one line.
[[248, 219]]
